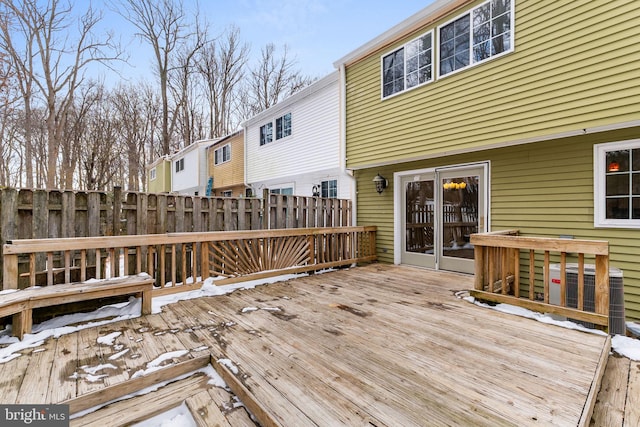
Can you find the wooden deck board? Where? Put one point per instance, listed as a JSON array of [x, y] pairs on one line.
[[62, 385], [381, 344], [40, 363]]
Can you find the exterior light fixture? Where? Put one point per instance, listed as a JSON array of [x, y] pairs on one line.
[[380, 182]]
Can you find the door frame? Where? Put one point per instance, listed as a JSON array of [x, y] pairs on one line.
[[398, 197]]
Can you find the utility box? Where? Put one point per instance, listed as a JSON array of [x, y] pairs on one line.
[[617, 324]]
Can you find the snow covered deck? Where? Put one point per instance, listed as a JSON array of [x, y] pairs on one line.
[[373, 345]]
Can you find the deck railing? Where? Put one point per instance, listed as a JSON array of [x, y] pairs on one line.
[[515, 269], [177, 260]]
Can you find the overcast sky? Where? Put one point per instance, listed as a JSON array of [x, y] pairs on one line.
[[318, 32]]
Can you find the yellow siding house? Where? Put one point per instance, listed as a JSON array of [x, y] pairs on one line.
[[499, 114], [225, 162]]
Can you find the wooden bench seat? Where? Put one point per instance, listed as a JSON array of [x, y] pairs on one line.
[[20, 304]]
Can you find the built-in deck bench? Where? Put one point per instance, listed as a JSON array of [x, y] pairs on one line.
[[20, 304]]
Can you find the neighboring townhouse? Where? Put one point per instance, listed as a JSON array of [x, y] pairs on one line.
[[225, 160], [295, 146], [491, 115], [159, 175], [189, 171]]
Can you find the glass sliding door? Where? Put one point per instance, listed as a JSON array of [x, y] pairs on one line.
[[418, 242], [441, 209], [461, 214]]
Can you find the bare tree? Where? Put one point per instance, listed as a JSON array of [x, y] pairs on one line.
[[165, 26], [271, 80], [183, 85], [135, 107], [21, 59], [221, 64], [61, 60]]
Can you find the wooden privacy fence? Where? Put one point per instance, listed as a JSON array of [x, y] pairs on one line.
[[38, 214], [177, 260], [506, 263]]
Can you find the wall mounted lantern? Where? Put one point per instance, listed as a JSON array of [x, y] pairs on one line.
[[380, 182]]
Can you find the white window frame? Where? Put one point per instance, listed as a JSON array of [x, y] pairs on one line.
[[227, 193], [224, 153], [286, 130], [404, 71], [263, 135], [473, 63], [179, 165], [328, 182], [152, 174], [599, 184], [280, 188]]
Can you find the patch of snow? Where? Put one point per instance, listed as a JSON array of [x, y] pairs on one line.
[[93, 369], [249, 309], [156, 363], [626, 346], [108, 339], [230, 365], [119, 354], [179, 416]]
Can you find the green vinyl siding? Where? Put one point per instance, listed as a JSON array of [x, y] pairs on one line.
[[573, 67], [541, 189], [162, 183]]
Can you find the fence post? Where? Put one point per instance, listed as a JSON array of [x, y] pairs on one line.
[[8, 217], [117, 209]]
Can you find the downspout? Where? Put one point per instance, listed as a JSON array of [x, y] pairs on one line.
[[244, 168], [343, 143]]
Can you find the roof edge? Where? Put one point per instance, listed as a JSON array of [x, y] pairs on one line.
[[426, 16]]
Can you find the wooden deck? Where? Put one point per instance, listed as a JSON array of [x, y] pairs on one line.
[[375, 345]]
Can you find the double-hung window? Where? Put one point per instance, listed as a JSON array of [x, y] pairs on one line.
[[409, 66], [180, 165], [283, 126], [478, 35], [283, 129], [152, 174], [329, 188], [617, 184], [266, 133], [223, 154]]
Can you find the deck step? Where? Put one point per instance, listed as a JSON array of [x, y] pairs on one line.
[[208, 404]]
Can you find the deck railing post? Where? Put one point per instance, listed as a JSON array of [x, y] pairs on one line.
[[10, 272], [602, 284], [478, 253]]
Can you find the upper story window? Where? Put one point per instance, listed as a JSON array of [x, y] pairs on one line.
[[480, 34], [283, 126], [222, 154], [180, 165], [283, 129], [617, 184], [409, 66], [266, 133], [152, 174]]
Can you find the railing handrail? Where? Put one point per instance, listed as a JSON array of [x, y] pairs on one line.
[[591, 247], [499, 265], [169, 257], [21, 246]]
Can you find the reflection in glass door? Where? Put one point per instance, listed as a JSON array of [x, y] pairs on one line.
[[441, 209], [461, 215], [419, 220]]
